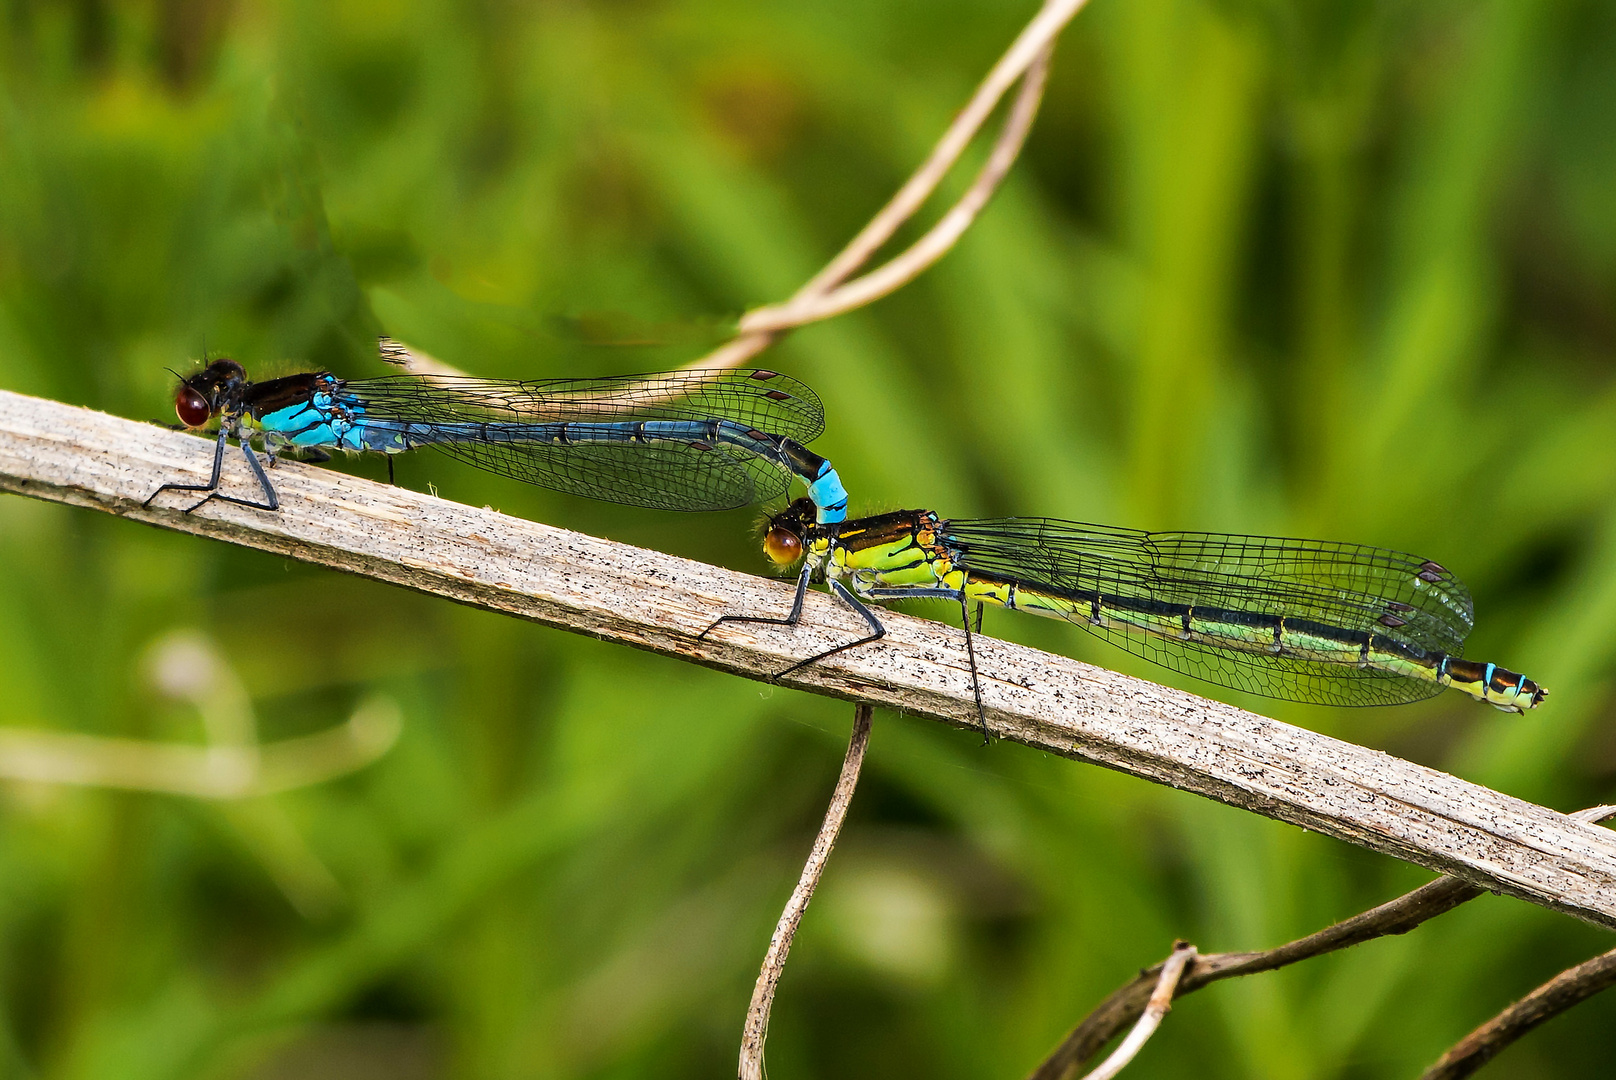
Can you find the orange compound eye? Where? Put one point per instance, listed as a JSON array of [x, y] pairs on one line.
[[193, 409], [782, 547]]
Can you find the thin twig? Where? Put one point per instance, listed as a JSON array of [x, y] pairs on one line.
[[1571, 987], [825, 294], [1161, 1000], [655, 601], [557, 404], [774, 962], [1128, 1002], [811, 306], [1033, 41], [1026, 60], [1397, 916]]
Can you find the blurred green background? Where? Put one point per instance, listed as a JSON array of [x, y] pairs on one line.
[[1342, 268]]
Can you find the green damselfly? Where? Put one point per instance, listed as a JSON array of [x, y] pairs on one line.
[[1302, 620]]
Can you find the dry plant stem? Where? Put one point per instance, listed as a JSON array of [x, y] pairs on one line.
[[654, 601], [1570, 987], [774, 962], [1027, 60], [1033, 42], [1160, 1002], [1397, 916], [824, 295], [1128, 1003], [913, 261]]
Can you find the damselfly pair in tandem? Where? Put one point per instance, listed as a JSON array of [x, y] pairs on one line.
[[1302, 620]]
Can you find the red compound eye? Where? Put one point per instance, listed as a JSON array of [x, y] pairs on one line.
[[782, 547], [193, 409]]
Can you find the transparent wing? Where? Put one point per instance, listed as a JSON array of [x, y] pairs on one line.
[[1401, 598], [662, 475], [765, 400]]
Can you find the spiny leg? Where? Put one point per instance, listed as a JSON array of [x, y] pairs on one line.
[[976, 683], [792, 619], [877, 631], [272, 501], [965, 622], [213, 481], [970, 653]]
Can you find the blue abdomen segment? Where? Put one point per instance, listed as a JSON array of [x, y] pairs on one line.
[[824, 485], [828, 495], [330, 419]]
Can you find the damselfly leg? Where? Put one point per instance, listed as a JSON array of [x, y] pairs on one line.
[[271, 500], [792, 619], [877, 631], [845, 595], [965, 624]]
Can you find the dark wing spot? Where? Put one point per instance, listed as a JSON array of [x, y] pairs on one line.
[[764, 375], [778, 395], [1392, 621]]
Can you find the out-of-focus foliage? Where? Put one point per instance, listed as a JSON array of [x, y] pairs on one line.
[[1324, 267]]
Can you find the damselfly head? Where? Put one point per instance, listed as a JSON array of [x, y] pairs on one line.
[[198, 398], [783, 542]]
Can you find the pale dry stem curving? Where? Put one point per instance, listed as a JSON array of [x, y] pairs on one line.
[[756, 1031]]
